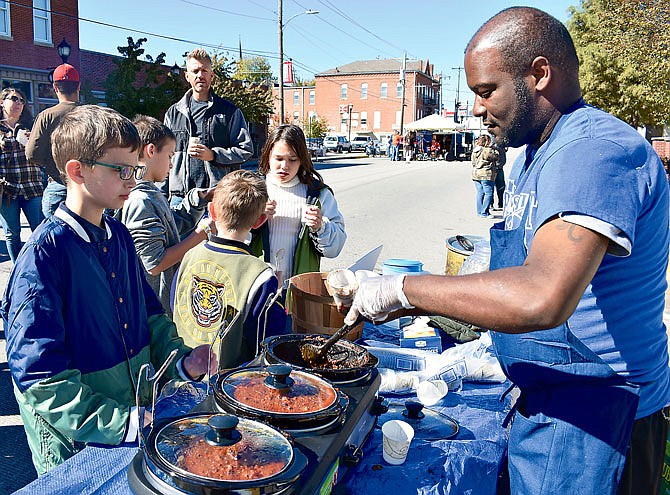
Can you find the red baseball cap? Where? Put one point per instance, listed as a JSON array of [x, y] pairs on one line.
[[65, 72]]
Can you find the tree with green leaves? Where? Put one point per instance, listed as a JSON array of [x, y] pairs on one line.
[[317, 127], [623, 48], [299, 81], [255, 101], [141, 86], [253, 69]]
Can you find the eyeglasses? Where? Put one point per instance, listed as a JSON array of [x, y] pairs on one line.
[[15, 98], [125, 171]]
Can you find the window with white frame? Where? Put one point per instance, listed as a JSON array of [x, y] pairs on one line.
[[296, 98], [42, 20], [377, 120], [344, 91], [364, 120], [364, 91], [384, 92], [398, 90], [5, 20], [312, 97]]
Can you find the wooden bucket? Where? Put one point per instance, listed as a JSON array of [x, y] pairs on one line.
[[313, 309]]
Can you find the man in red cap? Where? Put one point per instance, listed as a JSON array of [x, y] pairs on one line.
[[38, 150]]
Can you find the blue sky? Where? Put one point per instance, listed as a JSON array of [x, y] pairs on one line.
[[342, 32]]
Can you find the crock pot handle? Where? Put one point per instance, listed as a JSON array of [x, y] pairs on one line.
[[278, 377], [223, 431]]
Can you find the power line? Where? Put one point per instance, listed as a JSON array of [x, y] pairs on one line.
[[156, 35], [346, 16], [320, 18], [226, 11]]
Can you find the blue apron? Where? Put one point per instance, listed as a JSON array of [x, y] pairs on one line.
[[574, 416]]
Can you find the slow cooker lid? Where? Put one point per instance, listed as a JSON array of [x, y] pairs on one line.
[[223, 447], [279, 389]]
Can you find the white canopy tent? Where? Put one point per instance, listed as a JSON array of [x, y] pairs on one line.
[[432, 122], [437, 123]]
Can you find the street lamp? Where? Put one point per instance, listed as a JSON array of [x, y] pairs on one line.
[[175, 70], [281, 25], [64, 49]]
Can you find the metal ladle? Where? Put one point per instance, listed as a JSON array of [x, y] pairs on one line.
[[314, 355]]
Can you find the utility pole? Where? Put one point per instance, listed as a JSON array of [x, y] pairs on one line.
[[351, 109], [457, 103], [281, 24], [457, 106], [402, 81], [439, 96]]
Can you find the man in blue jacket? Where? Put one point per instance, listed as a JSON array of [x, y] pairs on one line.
[[212, 135]]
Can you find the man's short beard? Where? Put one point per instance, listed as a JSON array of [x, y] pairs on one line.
[[521, 121]]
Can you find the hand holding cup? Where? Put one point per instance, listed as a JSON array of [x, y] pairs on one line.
[[343, 286]]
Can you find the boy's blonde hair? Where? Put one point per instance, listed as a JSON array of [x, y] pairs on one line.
[[87, 132], [239, 200]]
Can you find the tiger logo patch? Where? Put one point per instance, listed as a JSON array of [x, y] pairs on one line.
[[207, 301], [205, 297]]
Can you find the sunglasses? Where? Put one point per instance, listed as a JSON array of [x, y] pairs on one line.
[[125, 171], [15, 98]]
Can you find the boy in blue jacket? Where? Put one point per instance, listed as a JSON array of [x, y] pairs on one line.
[[79, 316]]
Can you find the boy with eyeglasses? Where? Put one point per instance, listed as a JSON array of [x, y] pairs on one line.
[[157, 227], [79, 316]]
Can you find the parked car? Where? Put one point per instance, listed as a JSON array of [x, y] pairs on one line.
[[359, 143], [337, 143], [316, 148]]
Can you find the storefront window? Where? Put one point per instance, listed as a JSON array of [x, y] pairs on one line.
[[5, 22]]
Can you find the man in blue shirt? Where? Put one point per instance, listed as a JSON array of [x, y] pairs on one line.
[[575, 294]]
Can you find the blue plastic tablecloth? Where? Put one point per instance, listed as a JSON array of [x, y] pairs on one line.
[[467, 464]]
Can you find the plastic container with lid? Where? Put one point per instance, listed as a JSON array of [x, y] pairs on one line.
[[401, 265]]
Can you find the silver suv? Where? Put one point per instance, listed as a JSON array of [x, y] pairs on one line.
[[337, 143], [359, 143]]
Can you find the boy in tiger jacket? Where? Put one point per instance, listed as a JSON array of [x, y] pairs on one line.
[[221, 277]]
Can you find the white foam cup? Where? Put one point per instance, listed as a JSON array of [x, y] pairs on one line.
[[396, 437], [430, 392]]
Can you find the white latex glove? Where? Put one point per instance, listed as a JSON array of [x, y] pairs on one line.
[[377, 296]]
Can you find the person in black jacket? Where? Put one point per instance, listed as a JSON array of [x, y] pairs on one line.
[[212, 134]]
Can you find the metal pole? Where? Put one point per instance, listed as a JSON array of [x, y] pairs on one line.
[[457, 105], [303, 106], [351, 109], [402, 81], [281, 61]]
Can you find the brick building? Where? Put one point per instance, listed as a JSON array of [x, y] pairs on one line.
[[30, 31], [366, 96]]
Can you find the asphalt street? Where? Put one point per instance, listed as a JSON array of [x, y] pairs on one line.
[[410, 208]]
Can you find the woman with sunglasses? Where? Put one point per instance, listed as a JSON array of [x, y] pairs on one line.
[[23, 186]]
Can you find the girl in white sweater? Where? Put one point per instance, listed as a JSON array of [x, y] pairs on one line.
[[304, 222]]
